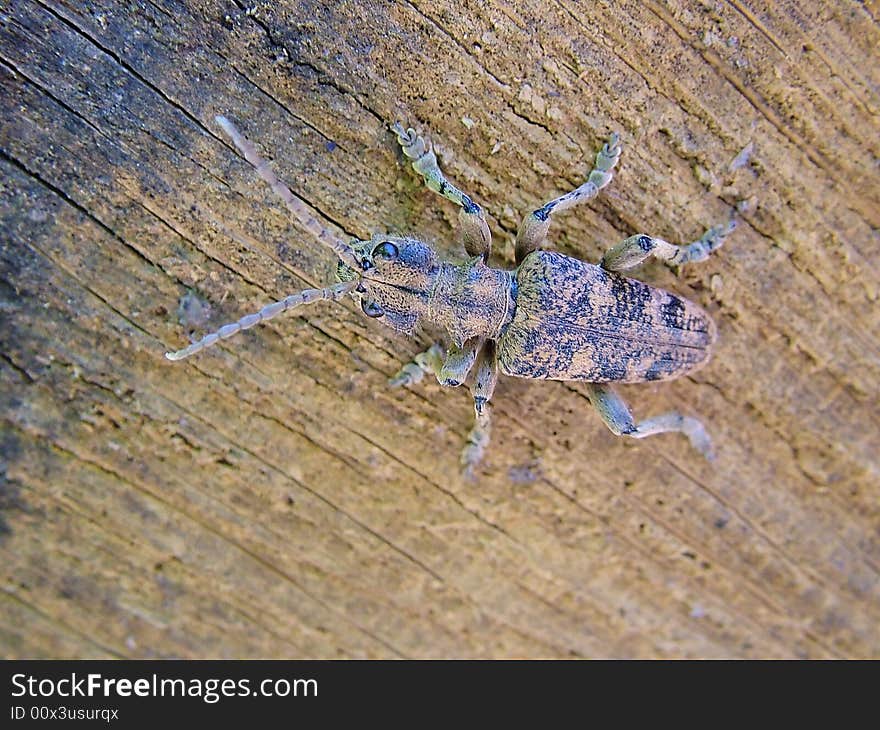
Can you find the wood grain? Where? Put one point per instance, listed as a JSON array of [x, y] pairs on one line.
[[272, 497]]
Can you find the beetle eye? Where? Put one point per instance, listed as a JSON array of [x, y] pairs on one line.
[[371, 309], [385, 250]]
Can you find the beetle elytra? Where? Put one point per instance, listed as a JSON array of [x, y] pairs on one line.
[[554, 317]]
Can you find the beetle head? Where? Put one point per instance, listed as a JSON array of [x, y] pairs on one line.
[[396, 277]]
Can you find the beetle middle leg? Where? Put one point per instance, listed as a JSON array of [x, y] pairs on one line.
[[533, 229], [452, 369], [635, 249], [475, 230], [617, 416], [482, 390]]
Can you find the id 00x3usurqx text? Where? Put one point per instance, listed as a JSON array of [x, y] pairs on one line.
[[552, 318]]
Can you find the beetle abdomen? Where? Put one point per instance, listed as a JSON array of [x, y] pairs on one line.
[[577, 321]]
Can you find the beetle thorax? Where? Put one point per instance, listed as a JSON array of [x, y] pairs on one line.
[[471, 300]]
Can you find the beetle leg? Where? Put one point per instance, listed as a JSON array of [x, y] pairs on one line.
[[482, 390], [636, 249], [429, 361], [533, 229], [475, 230], [618, 418], [450, 368], [458, 363]]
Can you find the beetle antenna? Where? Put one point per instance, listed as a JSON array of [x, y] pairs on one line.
[[302, 214], [307, 296]]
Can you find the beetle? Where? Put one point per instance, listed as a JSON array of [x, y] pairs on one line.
[[552, 318]]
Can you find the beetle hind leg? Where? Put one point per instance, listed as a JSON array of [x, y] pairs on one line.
[[617, 416], [533, 229], [635, 249], [476, 235]]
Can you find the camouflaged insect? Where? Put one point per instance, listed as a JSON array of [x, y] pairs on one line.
[[552, 318]]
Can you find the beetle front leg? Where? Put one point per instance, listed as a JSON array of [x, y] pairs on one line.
[[450, 368], [477, 237], [618, 418], [482, 390], [458, 363], [635, 249], [533, 229], [429, 361]]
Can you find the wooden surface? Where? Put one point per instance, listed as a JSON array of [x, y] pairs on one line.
[[272, 497]]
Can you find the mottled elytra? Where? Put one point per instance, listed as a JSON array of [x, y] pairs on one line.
[[552, 318]]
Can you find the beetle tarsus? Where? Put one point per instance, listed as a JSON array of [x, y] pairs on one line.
[[618, 417], [477, 441]]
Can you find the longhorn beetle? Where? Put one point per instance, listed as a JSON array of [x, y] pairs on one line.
[[553, 318]]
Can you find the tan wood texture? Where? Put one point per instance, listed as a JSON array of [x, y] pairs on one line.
[[273, 497]]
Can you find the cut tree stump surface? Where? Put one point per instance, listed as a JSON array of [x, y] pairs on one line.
[[272, 497]]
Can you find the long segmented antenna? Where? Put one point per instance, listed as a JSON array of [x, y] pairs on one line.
[[342, 250], [307, 296]]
